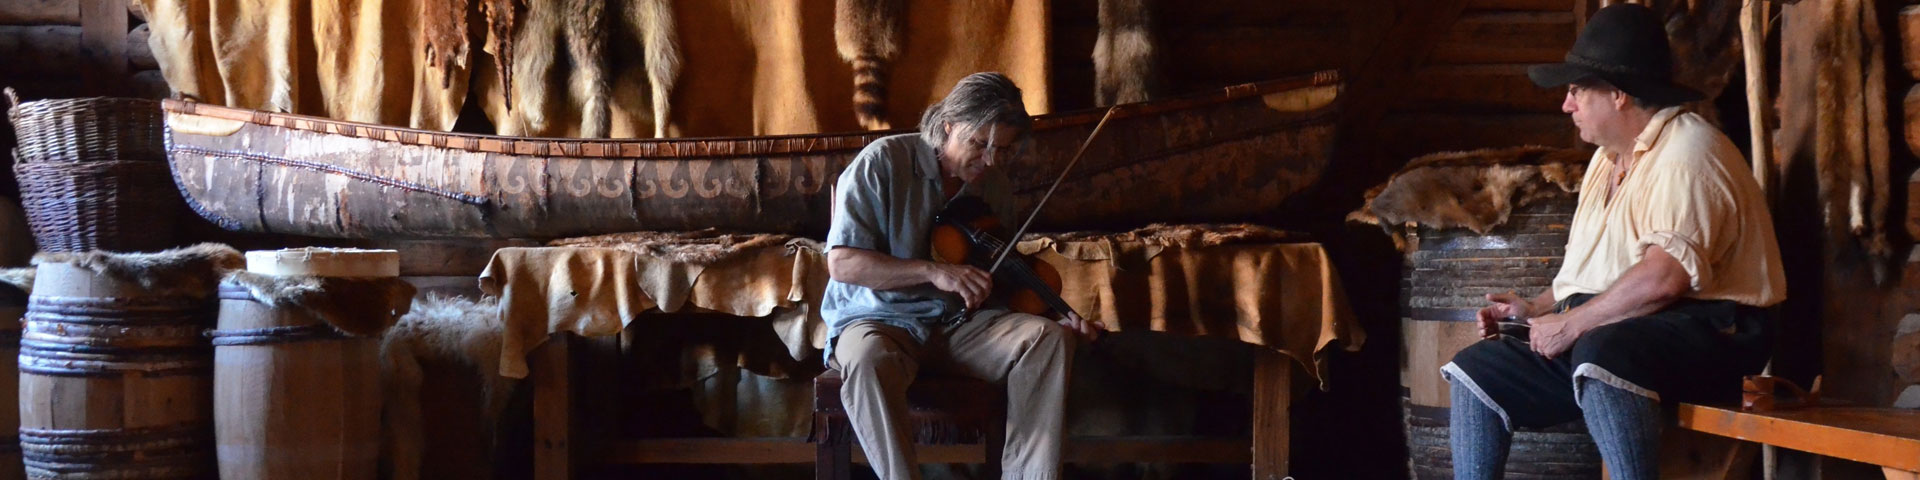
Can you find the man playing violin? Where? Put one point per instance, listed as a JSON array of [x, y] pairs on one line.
[[891, 309]]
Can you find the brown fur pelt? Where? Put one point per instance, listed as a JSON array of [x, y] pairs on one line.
[[652, 21], [596, 49], [444, 35], [457, 330], [358, 306], [867, 33], [701, 247], [1852, 148], [1124, 54], [1190, 235], [193, 271], [500, 23], [1705, 36], [1475, 190]]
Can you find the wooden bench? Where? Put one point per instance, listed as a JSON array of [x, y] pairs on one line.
[[943, 409], [1887, 437]]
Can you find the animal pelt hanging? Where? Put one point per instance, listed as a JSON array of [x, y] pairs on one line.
[[193, 271], [454, 330], [1705, 37], [598, 52], [357, 306], [443, 36], [1476, 190], [867, 33], [1124, 56], [1852, 144]]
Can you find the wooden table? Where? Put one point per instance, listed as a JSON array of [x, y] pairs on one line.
[[1281, 295]]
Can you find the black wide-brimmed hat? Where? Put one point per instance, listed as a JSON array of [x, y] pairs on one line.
[[1625, 45]]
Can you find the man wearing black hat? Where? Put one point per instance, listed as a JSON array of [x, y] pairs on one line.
[[1670, 261]]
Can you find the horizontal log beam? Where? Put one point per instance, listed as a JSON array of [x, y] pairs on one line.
[[56, 50], [1479, 88], [1506, 37], [1407, 135], [52, 12]]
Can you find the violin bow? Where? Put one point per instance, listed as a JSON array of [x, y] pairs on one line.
[[1008, 248]]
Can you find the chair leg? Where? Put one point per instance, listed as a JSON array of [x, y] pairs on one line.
[[833, 458], [995, 441]]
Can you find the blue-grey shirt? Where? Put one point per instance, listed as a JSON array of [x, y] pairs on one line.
[[885, 201]]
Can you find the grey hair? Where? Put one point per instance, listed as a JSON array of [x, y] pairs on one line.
[[978, 100]]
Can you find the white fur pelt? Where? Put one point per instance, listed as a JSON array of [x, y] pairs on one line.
[[189, 271], [21, 278], [438, 328]]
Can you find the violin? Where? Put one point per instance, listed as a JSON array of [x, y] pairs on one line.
[[966, 232]]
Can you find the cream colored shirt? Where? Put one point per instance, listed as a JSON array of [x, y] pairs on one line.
[[1689, 193]]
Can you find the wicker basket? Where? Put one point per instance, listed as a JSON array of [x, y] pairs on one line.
[[110, 205], [87, 130]]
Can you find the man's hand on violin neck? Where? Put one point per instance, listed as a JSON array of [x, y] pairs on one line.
[[972, 284]]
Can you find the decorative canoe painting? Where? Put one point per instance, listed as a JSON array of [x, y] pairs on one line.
[[1224, 155]]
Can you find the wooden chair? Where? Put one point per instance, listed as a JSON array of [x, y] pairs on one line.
[[945, 410]]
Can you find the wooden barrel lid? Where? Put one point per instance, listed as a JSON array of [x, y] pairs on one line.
[[325, 262]]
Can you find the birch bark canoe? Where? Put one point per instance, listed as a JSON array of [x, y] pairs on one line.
[[1224, 155]]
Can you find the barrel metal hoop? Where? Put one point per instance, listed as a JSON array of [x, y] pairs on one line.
[[273, 335], [69, 364]]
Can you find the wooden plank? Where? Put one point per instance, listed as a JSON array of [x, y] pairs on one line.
[[1426, 347], [1886, 437], [552, 409], [1506, 37], [1910, 114], [1078, 450], [1272, 430], [103, 44], [1479, 89]]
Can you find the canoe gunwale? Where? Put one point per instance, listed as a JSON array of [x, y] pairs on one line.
[[711, 147]]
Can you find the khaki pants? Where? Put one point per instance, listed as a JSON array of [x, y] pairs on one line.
[[1030, 354]]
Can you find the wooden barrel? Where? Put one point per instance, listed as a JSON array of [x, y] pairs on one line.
[[294, 398], [1448, 274], [114, 380], [13, 305]]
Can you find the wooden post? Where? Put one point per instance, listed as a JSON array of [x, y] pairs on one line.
[[1272, 430], [552, 409], [1753, 41]]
